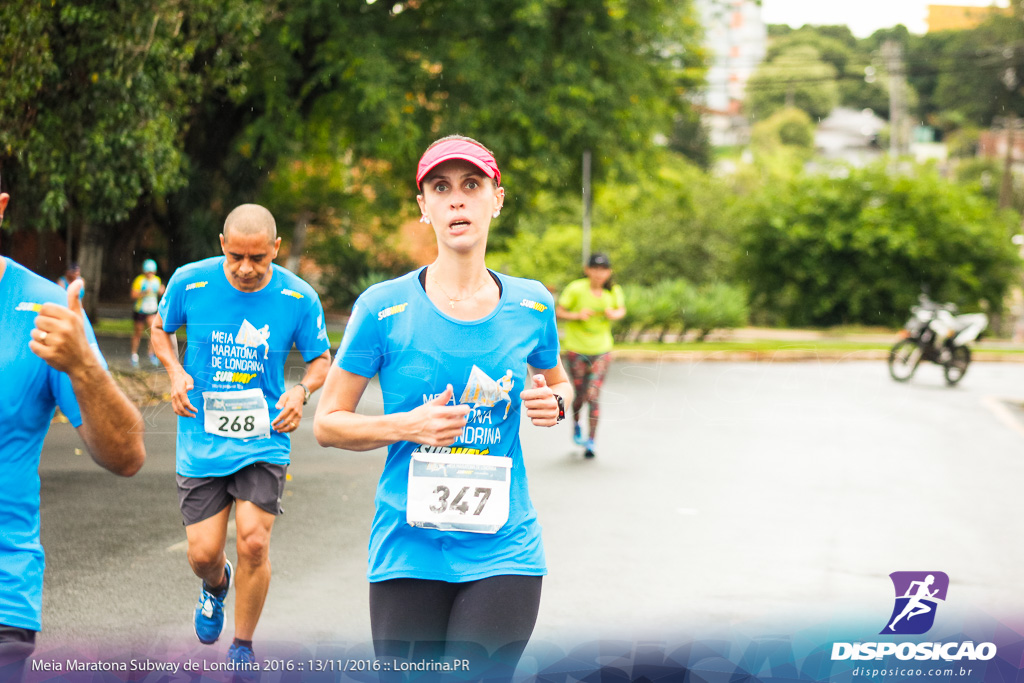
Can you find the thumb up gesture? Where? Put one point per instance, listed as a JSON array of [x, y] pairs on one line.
[[435, 423], [59, 336], [540, 402]]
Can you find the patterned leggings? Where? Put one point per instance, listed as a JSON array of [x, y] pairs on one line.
[[587, 374]]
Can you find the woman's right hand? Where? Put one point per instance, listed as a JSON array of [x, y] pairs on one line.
[[436, 423]]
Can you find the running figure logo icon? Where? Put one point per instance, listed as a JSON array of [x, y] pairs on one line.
[[249, 336], [917, 598], [481, 390]]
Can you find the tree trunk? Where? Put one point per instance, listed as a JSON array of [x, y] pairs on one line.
[[90, 258], [298, 242]]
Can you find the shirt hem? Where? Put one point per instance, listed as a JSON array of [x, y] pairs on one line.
[[16, 621], [233, 469], [461, 578]]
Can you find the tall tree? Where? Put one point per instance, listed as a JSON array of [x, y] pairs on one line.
[[101, 105], [539, 81], [797, 77], [980, 73]]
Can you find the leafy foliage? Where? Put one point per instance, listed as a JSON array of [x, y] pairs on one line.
[[676, 306], [979, 72], [796, 77], [677, 222], [96, 120], [101, 100], [857, 249], [789, 127]]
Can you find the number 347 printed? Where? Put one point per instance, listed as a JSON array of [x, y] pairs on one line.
[[461, 502]]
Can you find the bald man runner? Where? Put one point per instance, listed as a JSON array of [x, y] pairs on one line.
[[242, 314]]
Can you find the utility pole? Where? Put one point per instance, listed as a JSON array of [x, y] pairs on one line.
[[1006, 187], [892, 52], [586, 206], [1011, 122]]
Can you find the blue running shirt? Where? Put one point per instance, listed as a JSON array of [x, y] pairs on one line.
[[237, 341], [32, 389], [397, 332]]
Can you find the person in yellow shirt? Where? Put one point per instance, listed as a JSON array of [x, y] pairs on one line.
[[589, 305], [146, 291]]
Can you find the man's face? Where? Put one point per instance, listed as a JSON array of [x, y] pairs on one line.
[[4, 198], [248, 259]]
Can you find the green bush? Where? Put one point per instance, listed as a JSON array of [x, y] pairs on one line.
[[717, 306], [821, 250], [678, 306]]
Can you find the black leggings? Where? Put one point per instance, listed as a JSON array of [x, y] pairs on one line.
[[488, 621], [16, 645]]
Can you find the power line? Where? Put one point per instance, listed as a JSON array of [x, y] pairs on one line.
[[909, 73]]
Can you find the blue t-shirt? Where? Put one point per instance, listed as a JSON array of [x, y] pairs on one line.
[[32, 389], [397, 332], [238, 341]]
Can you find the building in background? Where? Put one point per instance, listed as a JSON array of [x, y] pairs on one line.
[[960, 17], [737, 40]]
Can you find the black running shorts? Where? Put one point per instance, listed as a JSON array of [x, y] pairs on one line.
[[260, 483]]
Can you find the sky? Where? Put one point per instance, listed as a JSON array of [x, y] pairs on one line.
[[864, 17]]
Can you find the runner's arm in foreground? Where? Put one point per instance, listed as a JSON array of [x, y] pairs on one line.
[[435, 423], [165, 346], [111, 425], [292, 401], [337, 424]]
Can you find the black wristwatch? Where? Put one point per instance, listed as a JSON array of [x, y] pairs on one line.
[[307, 393], [561, 407]]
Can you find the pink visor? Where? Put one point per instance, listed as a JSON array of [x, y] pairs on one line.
[[458, 149]]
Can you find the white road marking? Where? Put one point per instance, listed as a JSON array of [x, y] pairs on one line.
[[1005, 415]]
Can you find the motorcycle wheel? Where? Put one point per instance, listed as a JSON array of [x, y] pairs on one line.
[[956, 368], [904, 357]]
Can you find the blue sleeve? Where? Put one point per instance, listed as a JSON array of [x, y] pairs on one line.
[[60, 383], [311, 335], [545, 354], [362, 348], [171, 308]]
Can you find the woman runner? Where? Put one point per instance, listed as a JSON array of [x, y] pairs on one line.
[[456, 557], [590, 304]]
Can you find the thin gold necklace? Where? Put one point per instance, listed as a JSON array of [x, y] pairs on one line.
[[452, 300]]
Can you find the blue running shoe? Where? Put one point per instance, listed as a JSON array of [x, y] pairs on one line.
[[209, 617], [577, 434], [243, 663], [589, 445]]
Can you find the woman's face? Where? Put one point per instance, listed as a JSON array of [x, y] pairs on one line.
[[460, 201], [598, 275]]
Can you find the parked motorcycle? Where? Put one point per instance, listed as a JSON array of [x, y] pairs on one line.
[[936, 333]]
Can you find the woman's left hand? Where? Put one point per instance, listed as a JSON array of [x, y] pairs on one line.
[[541, 404]]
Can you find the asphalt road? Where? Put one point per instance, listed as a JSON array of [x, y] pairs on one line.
[[763, 496]]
